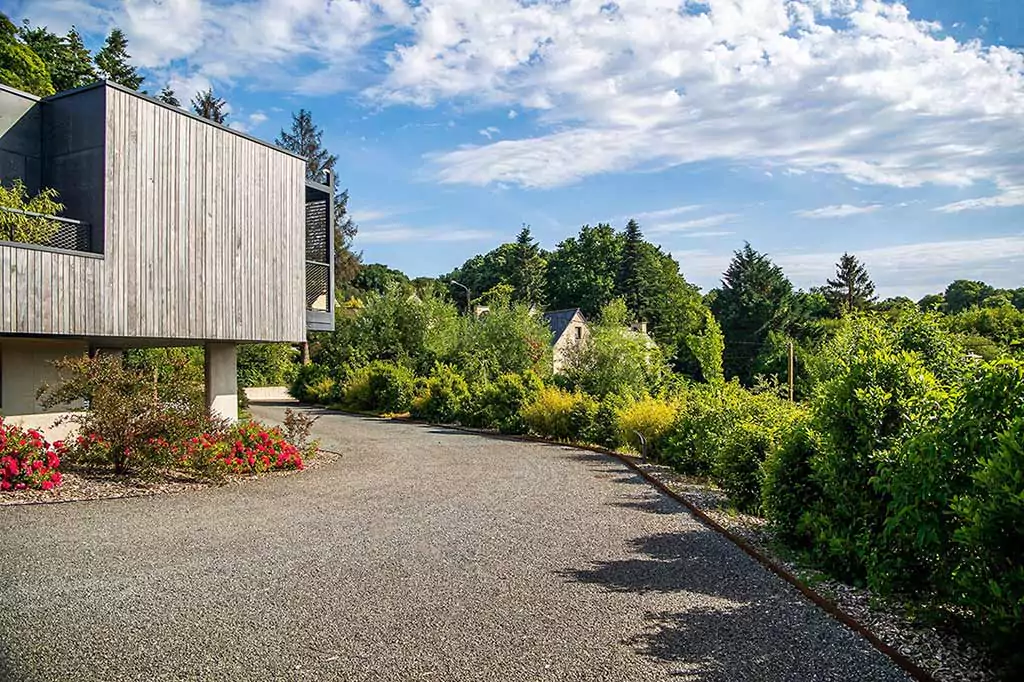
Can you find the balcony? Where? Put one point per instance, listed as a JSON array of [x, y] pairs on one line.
[[320, 256], [45, 232]]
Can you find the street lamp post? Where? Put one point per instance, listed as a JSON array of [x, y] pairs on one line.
[[468, 310]]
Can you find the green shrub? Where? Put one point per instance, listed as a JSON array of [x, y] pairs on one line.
[[738, 467], [877, 397], [306, 378], [549, 414], [379, 387], [583, 419], [130, 418], [689, 447], [650, 417], [442, 397], [789, 487], [499, 404], [991, 575], [266, 364], [605, 431]]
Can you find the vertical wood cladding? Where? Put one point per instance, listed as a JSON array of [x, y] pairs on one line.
[[203, 236]]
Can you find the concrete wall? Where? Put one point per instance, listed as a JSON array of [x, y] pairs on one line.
[[20, 138], [25, 365]]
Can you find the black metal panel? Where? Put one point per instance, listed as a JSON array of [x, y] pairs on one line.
[[68, 235], [318, 286], [318, 225]]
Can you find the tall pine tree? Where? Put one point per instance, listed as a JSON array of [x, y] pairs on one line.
[[528, 269], [629, 284], [306, 139], [207, 105], [66, 57], [113, 61], [852, 289], [167, 96], [755, 299]]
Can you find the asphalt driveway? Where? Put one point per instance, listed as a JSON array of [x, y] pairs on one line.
[[422, 554]]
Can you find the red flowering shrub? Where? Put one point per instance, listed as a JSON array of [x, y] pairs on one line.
[[26, 460], [244, 448]]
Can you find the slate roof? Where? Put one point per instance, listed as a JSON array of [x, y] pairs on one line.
[[558, 320]]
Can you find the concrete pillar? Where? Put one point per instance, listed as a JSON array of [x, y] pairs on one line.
[[222, 380]]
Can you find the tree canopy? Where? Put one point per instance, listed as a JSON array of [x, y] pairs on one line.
[[113, 61], [209, 106], [755, 299], [20, 67], [305, 138], [69, 62], [852, 288]]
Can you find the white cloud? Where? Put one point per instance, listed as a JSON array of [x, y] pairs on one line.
[[251, 121], [857, 88], [1009, 197], [392, 234], [489, 132], [666, 212], [837, 211], [906, 269], [512, 113], [697, 223]]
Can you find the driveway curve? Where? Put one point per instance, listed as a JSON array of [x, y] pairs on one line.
[[421, 554]]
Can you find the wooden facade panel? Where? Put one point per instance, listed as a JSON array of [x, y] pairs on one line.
[[203, 239]]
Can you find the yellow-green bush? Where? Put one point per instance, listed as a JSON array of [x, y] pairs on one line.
[[550, 414], [380, 387], [650, 417]]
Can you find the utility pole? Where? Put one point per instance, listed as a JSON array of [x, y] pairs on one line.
[[790, 371]]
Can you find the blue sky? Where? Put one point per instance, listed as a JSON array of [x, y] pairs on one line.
[[807, 127]]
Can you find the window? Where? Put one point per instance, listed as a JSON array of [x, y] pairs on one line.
[[579, 333]]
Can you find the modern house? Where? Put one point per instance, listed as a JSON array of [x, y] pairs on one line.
[[568, 328], [176, 231]]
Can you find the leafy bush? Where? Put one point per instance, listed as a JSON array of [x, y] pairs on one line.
[[443, 396], [605, 431], [379, 387], [314, 384], [789, 487], [991, 539], [550, 413], [738, 466], [650, 417], [876, 399], [499, 404], [128, 414], [266, 364], [27, 461], [583, 419]]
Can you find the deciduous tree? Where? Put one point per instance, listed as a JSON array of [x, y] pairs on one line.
[[66, 57], [20, 67]]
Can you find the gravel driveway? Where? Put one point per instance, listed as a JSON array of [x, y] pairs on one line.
[[422, 554]]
